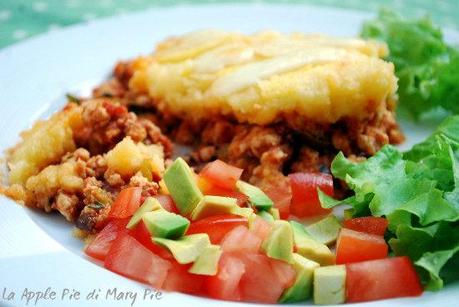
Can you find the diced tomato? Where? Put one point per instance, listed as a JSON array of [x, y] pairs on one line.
[[225, 285], [284, 272], [221, 174], [369, 224], [217, 191], [381, 279], [305, 200], [217, 226], [141, 234], [282, 198], [261, 227], [180, 280], [101, 244], [130, 258], [264, 280], [167, 203], [354, 246], [241, 240], [115, 110], [127, 202]]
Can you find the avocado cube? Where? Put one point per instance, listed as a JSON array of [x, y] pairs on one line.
[[186, 249], [164, 224], [257, 198], [181, 184], [301, 288], [150, 204], [266, 216], [279, 243], [245, 212], [307, 247], [329, 285], [207, 262], [275, 213], [325, 231], [213, 205]]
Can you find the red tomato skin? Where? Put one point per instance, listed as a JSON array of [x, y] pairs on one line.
[[282, 198], [369, 224], [130, 258], [225, 285], [221, 174], [180, 280], [353, 246], [101, 244], [305, 200], [167, 203], [381, 279], [126, 203], [217, 226], [141, 234]]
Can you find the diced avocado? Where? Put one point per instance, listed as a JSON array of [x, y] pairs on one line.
[[329, 285], [301, 288], [275, 213], [245, 212], [150, 204], [181, 183], [310, 248], [164, 224], [213, 205], [266, 216], [348, 213], [207, 262], [257, 198], [279, 243], [186, 249], [325, 231]]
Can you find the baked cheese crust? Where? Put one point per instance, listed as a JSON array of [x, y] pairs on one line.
[[266, 77]]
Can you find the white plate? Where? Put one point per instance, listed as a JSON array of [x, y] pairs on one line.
[[37, 250]]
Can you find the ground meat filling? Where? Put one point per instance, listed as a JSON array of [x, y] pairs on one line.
[[266, 153], [83, 184]]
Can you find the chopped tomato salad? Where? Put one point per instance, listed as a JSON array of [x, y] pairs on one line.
[[214, 235]]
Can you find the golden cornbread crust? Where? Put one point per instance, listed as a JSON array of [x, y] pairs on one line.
[[266, 78]]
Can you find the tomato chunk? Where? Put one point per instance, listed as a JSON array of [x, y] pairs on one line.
[[241, 240], [369, 224], [261, 228], [141, 234], [130, 258], [180, 280], [101, 244], [221, 174], [167, 203], [264, 280], [217, 226], [354, 246], [225, 285], [127, 202], [281, 195], [381, 279], [305, 200]]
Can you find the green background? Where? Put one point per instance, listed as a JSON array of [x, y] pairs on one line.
[[20, 19]]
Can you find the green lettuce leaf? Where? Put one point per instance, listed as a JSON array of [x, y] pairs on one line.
[[427, 68], [417, 191]]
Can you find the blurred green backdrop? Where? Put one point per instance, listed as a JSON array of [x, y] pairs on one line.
[[20, 19]]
